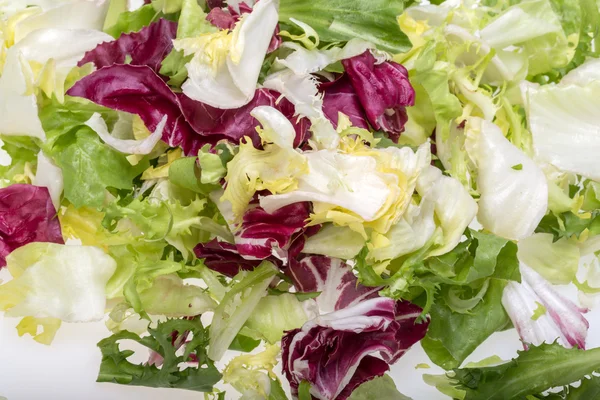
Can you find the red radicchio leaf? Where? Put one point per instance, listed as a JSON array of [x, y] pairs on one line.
[[221, 18], [26, 215], [234, 124], [276, 237], [148, 47], [138, 90], [334, 352], [384, 91], [339, 95], [332, 277], [215, 3], [262, 235], [223, 258]]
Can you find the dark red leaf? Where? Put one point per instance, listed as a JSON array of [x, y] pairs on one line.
[[26, 215], [234, 124], [139, 90], [335, 352], [340, 96], [384, 91], [148, 47]]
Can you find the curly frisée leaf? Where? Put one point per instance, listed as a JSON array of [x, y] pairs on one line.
[[116, 368], [237, 306]]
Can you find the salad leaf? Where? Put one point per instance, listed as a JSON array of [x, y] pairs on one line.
[[245, 373], [339, 96], [534, 26], [181, 223], [23, 155], [275, 315], [130, 21], [527, 189], [236, 307], [532, 372], [148, 47], [385, 108], [89, 167], [568, 224], [244, 343], [238, 123], [589, 388], [563, 320], [487, 317], [557, 262], [169, 296], [553, 107], [380, 388], [173, 67], [192, 20], [332, 278], [116, 368], [126, 146], [227, 79], [343, 20], [261, 234], [335, 241], [377, 325], [138, 90], [19, 84], [223, 258], [26, 215], [56, 281], [50, 176]]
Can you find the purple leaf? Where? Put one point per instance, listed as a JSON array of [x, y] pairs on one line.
[[332, 277], [148, 47], [26, 215], [234, 124], [340, 95], [221, 18], [215, 3], [336, 352], [384, 91], [139, 90], [223, 258], [262, 235]]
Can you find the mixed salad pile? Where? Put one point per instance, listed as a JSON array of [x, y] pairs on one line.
[[316, 185]]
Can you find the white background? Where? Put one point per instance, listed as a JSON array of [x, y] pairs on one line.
[[67, 369]]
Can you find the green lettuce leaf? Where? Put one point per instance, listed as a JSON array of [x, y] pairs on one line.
[[130, 21], [557, 262], [380, 388], [192, 20], [174, 66], [469, 330], [533, 371], [23, 154], [89, 167], [471, 279], [275, 314], [116, 368], [342, 20], [535, 27], [568, 224]]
